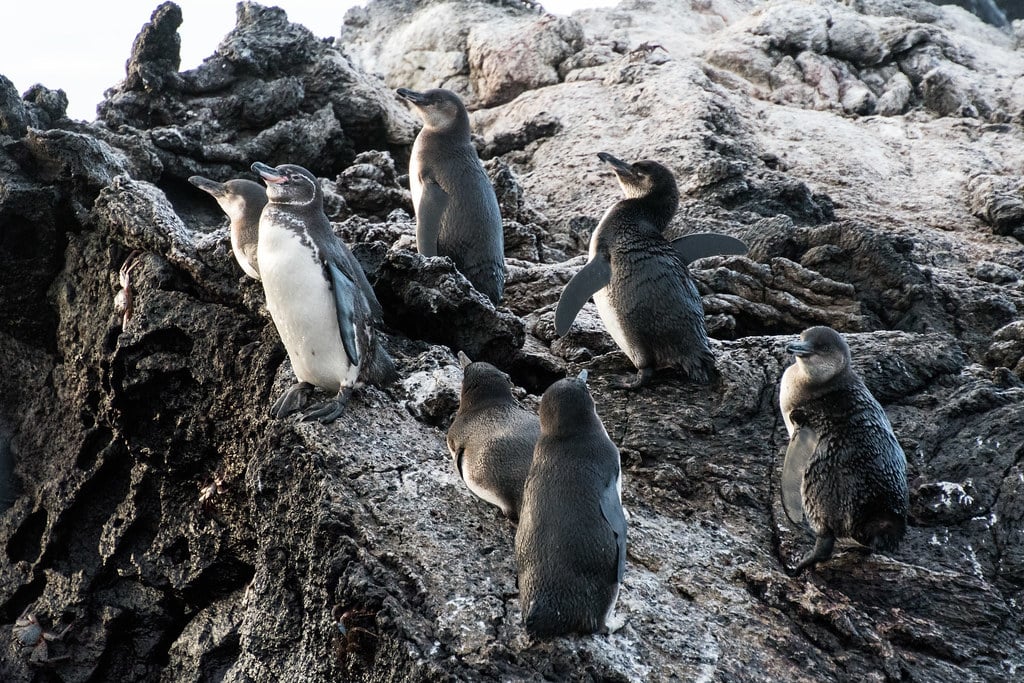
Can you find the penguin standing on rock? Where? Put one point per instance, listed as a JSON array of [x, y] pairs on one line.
[[243, 201], [492, 437], [571, 541], [318, 296], [457, 212], [640, 283], [844, 469]]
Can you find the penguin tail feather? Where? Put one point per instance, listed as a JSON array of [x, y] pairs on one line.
[[883, 533], [382, 367]]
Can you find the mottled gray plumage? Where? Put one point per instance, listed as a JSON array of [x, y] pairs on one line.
[[457, 212], [571, 540], [844, 469], [318, 296], [243, 201], [492, 437], [642, 287]]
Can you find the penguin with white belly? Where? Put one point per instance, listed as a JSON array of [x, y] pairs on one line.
[[639, 280], [318, 296]]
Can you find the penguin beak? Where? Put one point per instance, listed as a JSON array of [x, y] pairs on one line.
[[206, 185], [268, 173], [464, 360], [416, 98], [620, 167], [583, 375], [799, 349]]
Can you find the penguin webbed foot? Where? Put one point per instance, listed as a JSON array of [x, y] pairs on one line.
[[329, 410], [613, 624], [643, 377], [822, 551], [292, 400]]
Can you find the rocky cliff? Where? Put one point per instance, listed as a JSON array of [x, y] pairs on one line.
[[871, 153]]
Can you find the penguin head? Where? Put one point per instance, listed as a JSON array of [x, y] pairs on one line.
[[482, 381], [290, 184], [566, 405], [642, 179], [440, 109], [821, 353]]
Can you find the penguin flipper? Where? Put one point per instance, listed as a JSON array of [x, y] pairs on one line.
[[345, 297], [591, 278], [429, 211], [611, 510], [801, 447], [689, 248]]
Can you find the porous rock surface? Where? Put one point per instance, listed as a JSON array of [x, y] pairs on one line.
[[868, 152]]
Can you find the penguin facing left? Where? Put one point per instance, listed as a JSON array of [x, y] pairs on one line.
[[457, 212], [492, 437], [571, 542], [243, 201], [640, 283], [314, 295], [844, 469]]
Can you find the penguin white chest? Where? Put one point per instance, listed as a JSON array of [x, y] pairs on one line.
[[787, 388], [415, 168], [301, 302], [606, 306]]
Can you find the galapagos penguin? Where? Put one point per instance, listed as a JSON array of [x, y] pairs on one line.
[[315, 297], [243, 201], [640, 281], [844, 469], [457, 212], [492, 437], [571, 541]]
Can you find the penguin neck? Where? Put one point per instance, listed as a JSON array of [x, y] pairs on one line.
[[486, 397], [810, 390], [658, 210], [457, 130]]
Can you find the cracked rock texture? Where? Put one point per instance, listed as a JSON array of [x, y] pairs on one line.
[[869, 152]]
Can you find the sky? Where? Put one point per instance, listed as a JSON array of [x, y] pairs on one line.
[[81, 46]]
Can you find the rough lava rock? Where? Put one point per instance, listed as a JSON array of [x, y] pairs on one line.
[[869, 153]]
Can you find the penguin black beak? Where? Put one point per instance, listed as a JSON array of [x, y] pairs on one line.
[[411, 95], [208, 186], [268, 173], [620, 167], [800, 349]]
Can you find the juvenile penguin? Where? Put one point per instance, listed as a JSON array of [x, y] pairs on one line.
[[640, 281], [457, 211], [312, 286], [844, 469], [492, 437], [243, 201], [571, 541]]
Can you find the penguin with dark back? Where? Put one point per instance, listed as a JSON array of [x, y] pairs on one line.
[[318, 296], [844, 469], [243, 201], [457, 212], [571, 541], [492, 437], [640, 281]]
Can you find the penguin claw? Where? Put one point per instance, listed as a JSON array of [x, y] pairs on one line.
[[822, 551], [643, 377], [329, 410], [292, 400]]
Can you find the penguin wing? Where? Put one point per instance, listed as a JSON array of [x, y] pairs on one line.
[[592, 277], [433, 202], [689, 248], [345, 300], [801, 447], [611, 510]]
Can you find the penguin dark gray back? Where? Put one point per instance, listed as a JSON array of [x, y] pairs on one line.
[[643, 289], [492, 437], [571, 539], [457, 212], [844, 469]]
